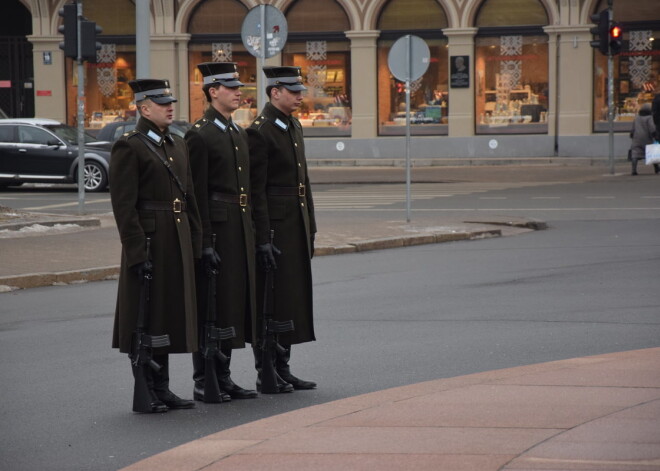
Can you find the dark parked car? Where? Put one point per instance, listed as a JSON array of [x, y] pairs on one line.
[[113, 131], [46, 151]]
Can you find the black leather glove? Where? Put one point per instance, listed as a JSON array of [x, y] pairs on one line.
[[312, 238], [143, 268], [210, 260], [266, 256]]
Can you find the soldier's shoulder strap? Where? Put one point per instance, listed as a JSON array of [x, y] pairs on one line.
[[258, 122], [200, 123], [296, 122], [130, 134]]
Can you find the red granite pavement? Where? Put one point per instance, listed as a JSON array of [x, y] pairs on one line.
[[594, 413]]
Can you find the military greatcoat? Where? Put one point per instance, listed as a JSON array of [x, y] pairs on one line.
[[282, 201], [220, 162], [143, 192]]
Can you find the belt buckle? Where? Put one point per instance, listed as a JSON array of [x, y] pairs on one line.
[[301, 190], [242, 199], [176, 205]]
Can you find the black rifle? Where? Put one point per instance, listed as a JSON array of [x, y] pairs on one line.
[[142, 345], [270, 329], [212, 337]]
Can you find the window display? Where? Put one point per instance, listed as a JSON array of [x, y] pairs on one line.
[[429, 95], [636, 80], [108, 96], [511, 84], [223, 52], [325, 65]]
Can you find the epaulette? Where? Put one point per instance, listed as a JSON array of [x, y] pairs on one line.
[[130, 134], [295, 121], [258, 122], [201, 123]]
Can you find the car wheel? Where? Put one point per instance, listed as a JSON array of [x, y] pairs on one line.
[[95, 177]]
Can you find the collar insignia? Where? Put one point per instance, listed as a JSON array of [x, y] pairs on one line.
[[154, 137], [281, 124], [220, 124]]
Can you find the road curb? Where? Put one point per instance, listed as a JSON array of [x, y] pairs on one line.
[[17, 226], [34, 280]]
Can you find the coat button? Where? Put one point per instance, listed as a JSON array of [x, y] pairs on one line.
[[171, 159], [178, 220], [240, 169]]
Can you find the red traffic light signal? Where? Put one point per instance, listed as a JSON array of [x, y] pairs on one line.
[[616, 38]]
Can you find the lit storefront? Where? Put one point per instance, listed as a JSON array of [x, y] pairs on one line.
[[636, 75], [317, 45], [506, 78], [108, 97], [511, 68], [429, 95], [207, 45]]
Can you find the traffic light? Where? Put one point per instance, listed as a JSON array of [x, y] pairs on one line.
[[69, 29], [616, 36], [601, 31], [88, 44]]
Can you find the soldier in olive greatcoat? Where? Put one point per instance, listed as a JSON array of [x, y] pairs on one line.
[[220, 163], [152, 197], [282, 201]]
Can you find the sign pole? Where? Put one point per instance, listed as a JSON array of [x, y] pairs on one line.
[[81, 116], [408, 75], [261, 92]]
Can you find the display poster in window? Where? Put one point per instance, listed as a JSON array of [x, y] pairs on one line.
[[459, 72]]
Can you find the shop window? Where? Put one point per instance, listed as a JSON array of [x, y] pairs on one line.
[[223, 52], [215, 27], [317, 45], [636, 77], [429, 95], [511, 84], [108, 97]]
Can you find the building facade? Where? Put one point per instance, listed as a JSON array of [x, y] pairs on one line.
[[506, 78]]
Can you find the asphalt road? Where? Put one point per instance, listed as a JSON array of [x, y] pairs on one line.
[[587, 285]]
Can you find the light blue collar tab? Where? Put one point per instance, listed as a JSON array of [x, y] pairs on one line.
[[220, 124], [281, 124], [154, 137]]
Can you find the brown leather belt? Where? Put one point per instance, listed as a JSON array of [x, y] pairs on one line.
[[241, 200], [175, 206], [286, 190]]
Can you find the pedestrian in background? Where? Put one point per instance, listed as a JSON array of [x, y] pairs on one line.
[[282, 201], [220, 163], [642, 133], [152, 196]]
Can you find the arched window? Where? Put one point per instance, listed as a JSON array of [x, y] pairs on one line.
[[215, 29], [636, 69], [430, 93], [511, 67], [317, 44]]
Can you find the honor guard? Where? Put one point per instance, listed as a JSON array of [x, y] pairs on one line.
[[220, 164], [158, 221], [282, 203]]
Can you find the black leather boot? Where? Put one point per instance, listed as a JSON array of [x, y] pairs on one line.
[[156, 404], [225, 382], [199, 363], [282, 364], [282, 386], [162, 386]]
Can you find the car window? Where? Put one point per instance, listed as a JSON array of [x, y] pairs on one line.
[[69, 134], [7, 133], [118, 132], [32, 135]]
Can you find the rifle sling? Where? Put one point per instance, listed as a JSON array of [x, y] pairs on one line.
[[164, 161]]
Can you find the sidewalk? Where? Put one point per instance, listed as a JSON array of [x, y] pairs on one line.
[[596, 413]]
